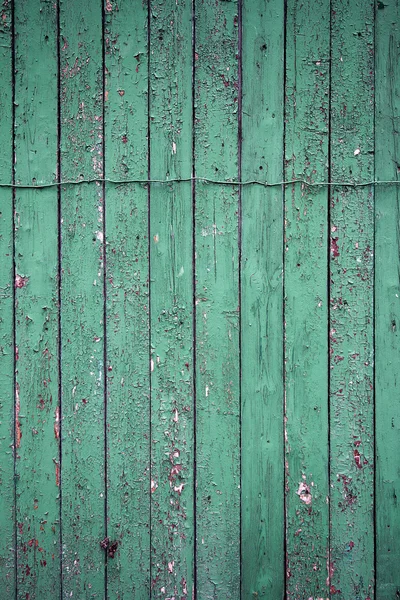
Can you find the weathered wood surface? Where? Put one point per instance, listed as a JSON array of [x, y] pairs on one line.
[[171, 300], [83, 459], [262, 458], [216, 126], [305, 299], [127, 301], [351, 566], [7, 488], [37, 411], [199, 378], [387, 298]]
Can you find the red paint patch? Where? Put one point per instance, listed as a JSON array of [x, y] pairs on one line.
[[226, 82], [112, 549], [57, 423], [20, 281], [357, 458], [57, 474], [18, 432], [334, 247]]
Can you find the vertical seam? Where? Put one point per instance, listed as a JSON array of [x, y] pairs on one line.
[[194, 383], [14, 295], [329, 193], [374, 428], [59, 274], [105, 390], [239, 150], [149, 286], [285, 565]]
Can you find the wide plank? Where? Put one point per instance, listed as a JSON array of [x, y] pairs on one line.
[[127, 296], [216, 156], [82, 301], [171, 300], [262, 458], [387, 303], [7, 404], [37, 444], [351, 568]]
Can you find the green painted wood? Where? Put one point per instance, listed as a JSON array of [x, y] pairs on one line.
[[262, 456], [306, 301], [82, 301], [171, 300], [387, 294], [351, 302], [7, 498], [128, 381], [36, 303], [186, 478], [217, 301]]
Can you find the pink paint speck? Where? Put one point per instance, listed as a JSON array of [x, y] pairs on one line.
[[20, 281], [304, 493], [334, 247]]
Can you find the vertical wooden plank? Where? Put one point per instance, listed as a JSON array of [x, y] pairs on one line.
[[171, 300], [262, 478], [351, 301], [36, 302], [217, 301], [82, 305], [128, 407], [306, 301], [7, 488], [387, 303]]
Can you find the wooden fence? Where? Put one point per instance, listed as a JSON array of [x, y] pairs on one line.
[[199, 292]]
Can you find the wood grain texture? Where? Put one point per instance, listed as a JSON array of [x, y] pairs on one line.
[[262, 480], [171, 301], [306, 301], [351, 302], [36, 303], [82, 301], [217, 302], [127, 291], [387, 294], [7, 488], [187, 365]]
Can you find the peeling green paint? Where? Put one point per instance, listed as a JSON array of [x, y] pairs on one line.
[[187, 404]]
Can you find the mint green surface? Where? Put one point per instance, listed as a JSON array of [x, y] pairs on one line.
[[7, 504], [37, 443], [171, 301], [199, 377], [306, 299], [387, 307], [82, 302], [351, 302], [262, 470], [127, 304]]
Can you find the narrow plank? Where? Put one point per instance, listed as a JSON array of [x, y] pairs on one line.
[[82, 304], [262, 479], [387, 294], [351, 301], [128, 406], [306, 301], [7, 497], [171, 300], [36, 302], [217, 301]]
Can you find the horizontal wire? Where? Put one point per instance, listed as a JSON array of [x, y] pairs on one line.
[[266, 184]]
